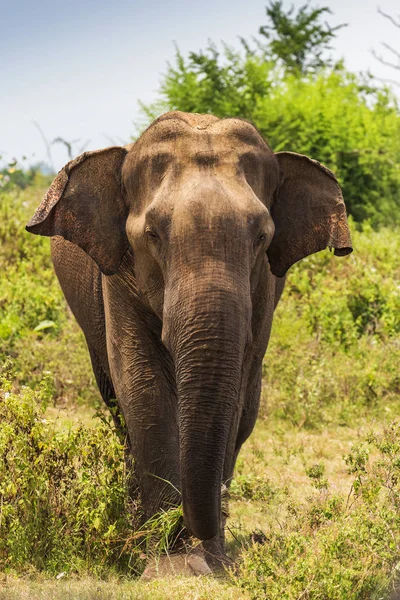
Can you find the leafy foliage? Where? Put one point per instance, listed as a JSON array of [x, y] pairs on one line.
[[298, 41], [230, 85], [36, 329], [14, 175], [63, 498]]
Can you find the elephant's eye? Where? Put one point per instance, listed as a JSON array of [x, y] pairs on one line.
[[151, 234], [261, 238]]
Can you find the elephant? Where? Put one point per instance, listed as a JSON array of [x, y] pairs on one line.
[[172, 253]]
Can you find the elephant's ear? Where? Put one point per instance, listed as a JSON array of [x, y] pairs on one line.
[[85, 206], [308, 212]]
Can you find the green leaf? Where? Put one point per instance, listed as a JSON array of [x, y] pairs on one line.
[[45, 325]]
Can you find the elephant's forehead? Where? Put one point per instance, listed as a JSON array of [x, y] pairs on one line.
[[200, 134], [174, 152], [192, 119]]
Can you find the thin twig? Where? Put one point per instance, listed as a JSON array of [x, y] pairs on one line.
[[348, 497], [46, 143], [395, 52], [391, 19], [384, 80], [385, 62], [307, 589], [232, 534]]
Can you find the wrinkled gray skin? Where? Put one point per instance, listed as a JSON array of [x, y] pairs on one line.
[[171, 253]]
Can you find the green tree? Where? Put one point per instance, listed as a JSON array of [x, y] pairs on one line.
[[209, 81], [298, 40]]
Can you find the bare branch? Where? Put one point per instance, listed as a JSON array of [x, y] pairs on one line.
[[46, 143], [109, 139], [68, 145], [389, 48], [114, 140], [385, 62], [391, 19], [395, 52], [83, 148], [384, 80]]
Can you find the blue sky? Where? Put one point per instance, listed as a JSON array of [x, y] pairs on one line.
[[79, 68]]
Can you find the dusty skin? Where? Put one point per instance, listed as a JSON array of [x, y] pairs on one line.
[[171, 253]]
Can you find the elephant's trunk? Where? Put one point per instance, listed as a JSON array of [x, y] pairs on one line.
[[206, 331]]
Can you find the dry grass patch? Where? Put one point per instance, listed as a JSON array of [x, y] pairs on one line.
[[92, 589]]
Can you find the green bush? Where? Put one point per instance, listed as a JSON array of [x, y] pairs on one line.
[[36, 329], [63, 497], [353, 130], [29, 293], [13, 175]]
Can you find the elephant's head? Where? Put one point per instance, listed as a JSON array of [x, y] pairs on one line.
[[202, 203]]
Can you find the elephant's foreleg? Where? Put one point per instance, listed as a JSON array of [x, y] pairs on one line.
[[108, 394], [149, 406], [249, 414], [143, 377]]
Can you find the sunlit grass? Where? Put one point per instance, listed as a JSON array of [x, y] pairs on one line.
[[176, 588]]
